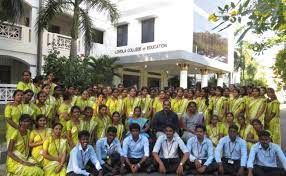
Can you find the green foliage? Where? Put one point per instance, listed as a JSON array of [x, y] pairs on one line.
[[279, 68], [258, 17], [81, 72]]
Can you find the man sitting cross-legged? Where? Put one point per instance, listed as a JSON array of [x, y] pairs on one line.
[[166, 152], [201, 152]]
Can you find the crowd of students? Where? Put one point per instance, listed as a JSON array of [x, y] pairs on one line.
[[54, 129]]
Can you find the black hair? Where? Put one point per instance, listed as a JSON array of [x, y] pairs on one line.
[[264, 133], [56, 124], [256, 121], [74, 107], [169, 125], [45, 85], [137, 107], [38, 79], [144, 88], [41, 92], [190, 103], [201, 127], [112, 130], [58, 87], [235, 127], [66, 96], [116, 112], [88, 108], [28, 91], [26, 71], [24, 117], [206, 90], [134, 126], [230, 113], [102, 106], [38, 117], [17, 91], [83, 133]]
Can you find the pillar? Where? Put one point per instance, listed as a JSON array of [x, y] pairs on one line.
[[143, 77], [204, 76], [184, 75], [164, 79], [220, 79], [33, 71]]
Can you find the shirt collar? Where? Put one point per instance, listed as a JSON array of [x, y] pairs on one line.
[[236, 139], [137, 140], [261, 148], [204, 140], [81, 149], [106, 144]]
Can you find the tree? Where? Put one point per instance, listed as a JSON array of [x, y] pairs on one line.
[[279, 68], [11, 10], [81, 72], [259, 17], [80, 17]]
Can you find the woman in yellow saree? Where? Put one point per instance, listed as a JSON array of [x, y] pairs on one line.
[[130, 102], [55, 152], [83, 100], [214, 130], [18, 161], [102, 121], [114, 103], [236, 104], [64, 111], [42, 108], [272, 117], [87, 124], [73, 127], [256, 106], [204, 105], [220, 106], [37, 138], [158, 102], [146, 102], [229, 121], [12, 113], [101, 100], [252, 132], [179, 104], [117, 123], [242, 126]]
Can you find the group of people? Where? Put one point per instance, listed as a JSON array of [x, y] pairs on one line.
[[53, 129]]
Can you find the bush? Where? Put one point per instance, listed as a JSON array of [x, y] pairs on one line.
[[81, 72]]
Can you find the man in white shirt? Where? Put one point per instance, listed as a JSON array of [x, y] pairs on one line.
[[83, 160], [166, 152]]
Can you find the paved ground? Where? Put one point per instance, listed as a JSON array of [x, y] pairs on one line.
[[283, 130]]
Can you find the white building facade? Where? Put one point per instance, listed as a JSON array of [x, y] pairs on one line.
[[155, 40]]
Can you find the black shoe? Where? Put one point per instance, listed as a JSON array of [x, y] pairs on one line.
[[150, 169]]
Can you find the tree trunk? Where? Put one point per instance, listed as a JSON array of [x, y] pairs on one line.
[[39, 46], [75, 30]]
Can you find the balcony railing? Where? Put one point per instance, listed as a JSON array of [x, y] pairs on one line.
[[58, 41], [15, 32], [6, 93]]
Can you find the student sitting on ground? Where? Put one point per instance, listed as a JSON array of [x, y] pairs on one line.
[[135, 151], [109, 152], [83, 160], [201, 152], [262, 157], [166, 152]]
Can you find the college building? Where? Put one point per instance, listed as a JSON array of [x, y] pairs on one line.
[[158, 43]]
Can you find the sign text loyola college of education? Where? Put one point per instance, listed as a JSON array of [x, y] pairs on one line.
[[141, 48]]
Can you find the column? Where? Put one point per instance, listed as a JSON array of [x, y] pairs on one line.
[[143, 77], [184, 75], [164, 79], [220, 79], [204, 76], [33, 70]]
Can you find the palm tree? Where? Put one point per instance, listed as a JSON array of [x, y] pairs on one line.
[[11, 10], [81, 19], [104, 68]]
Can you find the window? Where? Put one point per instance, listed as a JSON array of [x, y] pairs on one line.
[[97, 36], [148, 30], [122, 35], [54, 29]]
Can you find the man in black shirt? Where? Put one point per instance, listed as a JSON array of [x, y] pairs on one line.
[[166, 116]]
